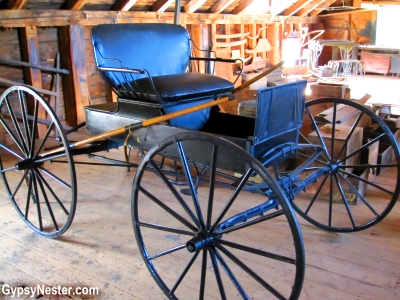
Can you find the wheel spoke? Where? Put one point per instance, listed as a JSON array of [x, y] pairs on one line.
[[56, 178], [37, 198], [212, 186], [24, 117], [259, 252], [13, 153], [217, 275], [191, 185], [362, 148], [358, 195], [368, 182], [230, 274], [19, 183], [354, 126], [316, 195], [34, 128], [318, 133], [28, 197], [165, 252], [13, 137], [165, 228], [46, 200], [182, 276], [17, 127], [167, 209], [333, 130], [40, 148], [175, 193], [330, 201], [232, 199], [42, 179], [203, 275], [345, 201], [256, 277]]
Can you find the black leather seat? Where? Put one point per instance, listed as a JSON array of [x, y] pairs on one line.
[[148, 63]]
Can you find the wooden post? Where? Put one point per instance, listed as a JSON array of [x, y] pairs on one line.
[[76, 94], [30, 54], [200, 37], [274, 38]]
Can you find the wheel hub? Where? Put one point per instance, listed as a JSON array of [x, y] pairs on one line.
[[26, 164], [199, 242], [334, 166]]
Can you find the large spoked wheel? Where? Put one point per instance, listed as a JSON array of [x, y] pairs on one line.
[[347, 187], [226, 234], [43, 193]]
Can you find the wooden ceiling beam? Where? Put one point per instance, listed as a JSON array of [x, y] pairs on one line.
[[310, 7], [344, 12], [378, 2], [21, 18], [161, 5], [279, 6], [16, 4], [74, 4], [193, 5], [320, 7], [242, 6], [220, 5], [296, 7], [123, 5]]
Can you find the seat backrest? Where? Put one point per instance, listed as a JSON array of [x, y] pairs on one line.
[[279, 117], [161, 49]]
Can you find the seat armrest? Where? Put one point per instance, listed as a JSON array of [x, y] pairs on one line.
[[123, 70], [219, 59]]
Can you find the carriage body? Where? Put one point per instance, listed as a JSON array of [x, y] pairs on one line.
[[278, 121]]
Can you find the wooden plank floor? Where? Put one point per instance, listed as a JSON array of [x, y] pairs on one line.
[[99, 250]]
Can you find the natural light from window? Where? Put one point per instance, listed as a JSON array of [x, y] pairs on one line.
[[386, 33]]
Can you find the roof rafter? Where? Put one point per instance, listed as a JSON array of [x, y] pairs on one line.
[[279, 6], [193, 5], [296, 7], [161, 5], [220, 5], [16, 4], [74, 4], [242, 6], [311, 6], [320, 7], [123, 5]]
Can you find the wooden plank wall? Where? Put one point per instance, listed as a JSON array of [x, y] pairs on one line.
[[47, 49]]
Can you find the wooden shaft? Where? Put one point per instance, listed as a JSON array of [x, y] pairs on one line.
[[258, 77], [138, 125], [189, 110]]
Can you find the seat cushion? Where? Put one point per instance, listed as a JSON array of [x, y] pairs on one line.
[[184, 88]]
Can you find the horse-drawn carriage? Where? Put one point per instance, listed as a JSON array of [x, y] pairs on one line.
[[214, 196]]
